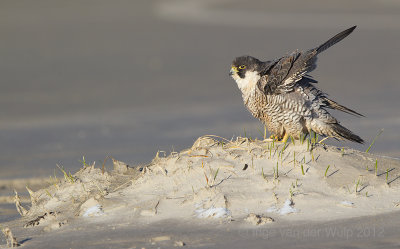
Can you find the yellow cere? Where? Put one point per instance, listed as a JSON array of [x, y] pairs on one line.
[[235, 69]]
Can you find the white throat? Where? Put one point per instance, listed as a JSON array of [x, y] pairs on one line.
[[248, 82]]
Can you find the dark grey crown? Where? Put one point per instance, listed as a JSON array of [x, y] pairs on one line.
[[244, 63]]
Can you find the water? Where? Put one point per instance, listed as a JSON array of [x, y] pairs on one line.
[[129, 78], [8, 213]]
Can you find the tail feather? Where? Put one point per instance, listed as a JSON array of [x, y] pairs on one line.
[[337, 38], [345, 133], [334, 105]]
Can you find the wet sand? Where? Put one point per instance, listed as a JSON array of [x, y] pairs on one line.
[[379, 232]]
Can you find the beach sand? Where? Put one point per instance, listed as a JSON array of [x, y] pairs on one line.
[[220, 193]]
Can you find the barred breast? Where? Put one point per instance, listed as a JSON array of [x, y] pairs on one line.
[[282, 113]]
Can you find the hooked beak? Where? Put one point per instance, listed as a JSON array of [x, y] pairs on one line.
[[233, 71]]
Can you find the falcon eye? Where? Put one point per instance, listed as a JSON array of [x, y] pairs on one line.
[[242, 67]]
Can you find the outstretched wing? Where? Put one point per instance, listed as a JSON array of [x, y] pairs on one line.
[[286, 71]]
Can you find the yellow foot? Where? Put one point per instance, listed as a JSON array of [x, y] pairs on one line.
[[274, 137], [285, 138]]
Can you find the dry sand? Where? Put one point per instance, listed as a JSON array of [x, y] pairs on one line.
[[212, 191]]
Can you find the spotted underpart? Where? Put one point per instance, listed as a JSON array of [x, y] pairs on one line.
[[283, 97]]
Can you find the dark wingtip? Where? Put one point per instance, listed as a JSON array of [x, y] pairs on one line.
[[356, 114], [334, 105], [351, 112], [358, 140], [347, 134], [351, 29], [354, 138], [337, 38]]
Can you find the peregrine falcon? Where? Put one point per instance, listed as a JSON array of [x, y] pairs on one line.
[[281, 94]]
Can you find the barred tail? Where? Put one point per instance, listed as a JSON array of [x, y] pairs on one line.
[[345, 133]]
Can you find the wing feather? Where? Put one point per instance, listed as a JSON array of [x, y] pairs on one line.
[[316, 94], [284, 73]]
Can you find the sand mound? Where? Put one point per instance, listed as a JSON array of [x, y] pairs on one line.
[[257, 182], [220, 179]]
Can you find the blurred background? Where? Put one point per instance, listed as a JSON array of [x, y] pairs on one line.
[[129, 78]]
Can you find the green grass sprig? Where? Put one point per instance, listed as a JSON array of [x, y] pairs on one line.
[[326, 171], [373, 141]]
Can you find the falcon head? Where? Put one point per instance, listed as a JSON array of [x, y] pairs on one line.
[[245, 70]]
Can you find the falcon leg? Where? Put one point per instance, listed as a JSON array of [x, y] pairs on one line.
[[285, 138]]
